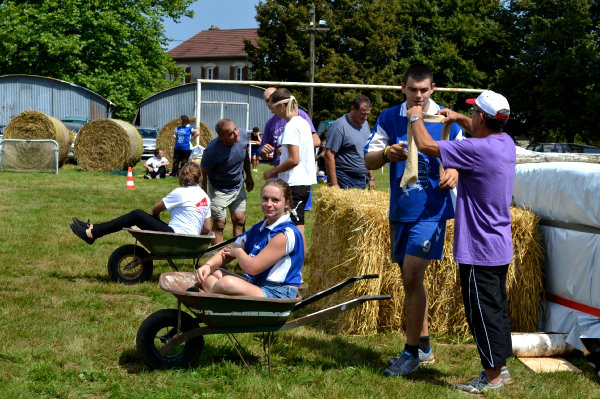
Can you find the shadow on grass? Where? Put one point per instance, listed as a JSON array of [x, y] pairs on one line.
[[296, 351]]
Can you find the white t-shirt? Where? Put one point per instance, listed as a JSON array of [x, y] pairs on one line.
[[298, 132], [189, 207], [154, 162]]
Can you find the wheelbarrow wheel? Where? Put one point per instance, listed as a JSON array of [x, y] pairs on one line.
[[157, 330], [120, 269]]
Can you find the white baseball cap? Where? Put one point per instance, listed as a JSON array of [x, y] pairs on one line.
[[493, 104]]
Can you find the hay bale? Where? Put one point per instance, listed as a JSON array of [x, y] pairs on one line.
[[104, 145], [352, 238], [34, 125], [166, 141]]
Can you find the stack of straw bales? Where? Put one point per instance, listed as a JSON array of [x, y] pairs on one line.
[[166, 141], [104, 145], [34, 125], [350, 237]]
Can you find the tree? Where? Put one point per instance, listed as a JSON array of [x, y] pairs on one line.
[[554, 71], [112, 47], [373, 42]]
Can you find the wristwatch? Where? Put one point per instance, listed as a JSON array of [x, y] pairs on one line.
[[414, 118]]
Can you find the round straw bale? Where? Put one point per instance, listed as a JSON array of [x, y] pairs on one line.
[[104, 145], [34, 125], [165, 140]]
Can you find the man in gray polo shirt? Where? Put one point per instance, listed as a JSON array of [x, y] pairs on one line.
[[344, 159], [224, 162]]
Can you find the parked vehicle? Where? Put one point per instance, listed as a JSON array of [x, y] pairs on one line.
[[74, 123], [563, 147], [149, 135]]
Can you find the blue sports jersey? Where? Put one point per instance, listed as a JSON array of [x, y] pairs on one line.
[[288, 269], [184, 134], [423, 200]]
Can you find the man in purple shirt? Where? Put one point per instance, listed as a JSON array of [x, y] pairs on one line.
[[274, 129], [482, 236]]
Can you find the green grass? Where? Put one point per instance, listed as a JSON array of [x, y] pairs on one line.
[[67, 331]]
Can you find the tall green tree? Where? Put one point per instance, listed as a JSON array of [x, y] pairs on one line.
[[373, 42], [113, 47], [554, 72]]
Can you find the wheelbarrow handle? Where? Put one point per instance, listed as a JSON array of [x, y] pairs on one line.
[[221, 244], [329, 291]]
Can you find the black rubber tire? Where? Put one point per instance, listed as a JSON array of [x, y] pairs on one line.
[[123, 256], [157, 329]]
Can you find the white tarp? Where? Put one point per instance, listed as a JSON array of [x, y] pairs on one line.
[[557, 318], [562, 191], [567, 193]]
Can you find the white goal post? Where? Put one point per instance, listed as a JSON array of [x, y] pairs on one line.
[[20, 155]]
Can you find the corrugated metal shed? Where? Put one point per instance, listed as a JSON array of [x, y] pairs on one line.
[[51, 96], [243, 104]]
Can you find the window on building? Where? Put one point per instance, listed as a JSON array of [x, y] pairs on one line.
[[210, 73], [239, 73]]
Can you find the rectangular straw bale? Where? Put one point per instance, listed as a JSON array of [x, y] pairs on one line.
[[350, 237]]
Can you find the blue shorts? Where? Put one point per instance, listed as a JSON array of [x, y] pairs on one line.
[[421, 239], [255, 151], [276, 290]]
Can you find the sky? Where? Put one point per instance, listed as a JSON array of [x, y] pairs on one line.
[[226, 14]]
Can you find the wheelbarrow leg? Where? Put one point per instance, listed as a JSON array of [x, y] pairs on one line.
[[237, 345], [172, 265]]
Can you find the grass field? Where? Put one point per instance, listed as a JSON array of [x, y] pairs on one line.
[[67, 331]]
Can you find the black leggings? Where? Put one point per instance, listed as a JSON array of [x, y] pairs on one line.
[[180, 157], [137, 218]]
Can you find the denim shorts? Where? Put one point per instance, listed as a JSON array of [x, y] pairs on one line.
[[276, 290]]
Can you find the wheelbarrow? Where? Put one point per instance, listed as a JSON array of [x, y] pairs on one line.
[[131, 263], [174, 338]]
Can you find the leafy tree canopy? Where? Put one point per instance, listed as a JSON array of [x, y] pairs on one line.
[[542, 54], [113, 47]]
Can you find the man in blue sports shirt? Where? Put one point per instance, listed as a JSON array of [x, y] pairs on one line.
[[418, 212]]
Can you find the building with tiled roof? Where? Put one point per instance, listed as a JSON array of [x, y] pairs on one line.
[[215, 54]]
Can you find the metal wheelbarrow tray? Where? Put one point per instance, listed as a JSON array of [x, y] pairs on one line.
[[173, 338], [132, 263]]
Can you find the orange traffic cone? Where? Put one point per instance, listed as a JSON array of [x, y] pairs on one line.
[[129, 183]]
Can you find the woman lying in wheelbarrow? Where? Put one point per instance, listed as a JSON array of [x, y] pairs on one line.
[[271, 253], [188, 205]]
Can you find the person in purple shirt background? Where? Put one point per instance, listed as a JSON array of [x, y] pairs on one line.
[[482, 237], [274, 128]]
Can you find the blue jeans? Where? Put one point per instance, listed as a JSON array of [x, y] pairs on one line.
[[346, 181]]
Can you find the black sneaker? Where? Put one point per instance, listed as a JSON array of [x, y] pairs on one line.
[[81, 222], [80, 232]]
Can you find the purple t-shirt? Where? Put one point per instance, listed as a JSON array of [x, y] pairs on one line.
[[482, 220], [274, 129]]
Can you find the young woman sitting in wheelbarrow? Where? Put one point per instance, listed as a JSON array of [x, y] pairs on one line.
[[188, 205], [271, 253]]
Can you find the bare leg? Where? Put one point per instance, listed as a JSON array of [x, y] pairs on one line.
[[415, 298], [230, 285], [238, 219], [217, 227]]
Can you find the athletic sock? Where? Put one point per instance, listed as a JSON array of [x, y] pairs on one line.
[[412, 349], [424, 344]]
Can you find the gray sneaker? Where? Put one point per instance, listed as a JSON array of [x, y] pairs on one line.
[[404, 365], [424, 358], [506, 378], [480, 385]]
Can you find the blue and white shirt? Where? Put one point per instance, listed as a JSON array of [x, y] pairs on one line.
[[424, 200], [184, 135], [288, 269]]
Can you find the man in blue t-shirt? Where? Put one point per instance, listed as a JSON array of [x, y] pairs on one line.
[[418, 212], [182, 150], [482, 227], [344, 154], [224, 162]]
